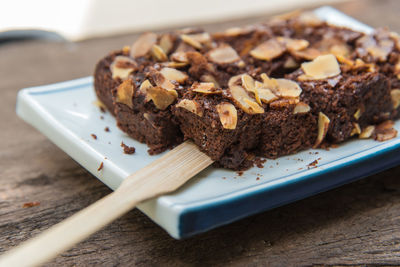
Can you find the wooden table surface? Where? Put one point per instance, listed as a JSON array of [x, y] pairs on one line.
[[356, 224]]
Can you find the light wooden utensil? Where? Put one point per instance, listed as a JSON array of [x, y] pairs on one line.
[[162, 176]]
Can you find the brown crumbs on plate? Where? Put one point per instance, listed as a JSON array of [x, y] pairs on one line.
[[258, 178], [102, 117], [107, 129], [128, 149], [94, 136], [102, 109], [259, 162], [100, 167], [31, 204], [240, 173], [313, 164]]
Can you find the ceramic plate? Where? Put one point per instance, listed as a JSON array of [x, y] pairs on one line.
[[66, 114]]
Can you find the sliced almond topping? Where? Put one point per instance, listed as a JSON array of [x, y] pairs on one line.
[[173, 64], [357, 114], [310, 19], [223, 54], [143, 44], [269, 83], [268, 50], [385, 131], [122, 66], [158, 53], [191, 41], [340, 50], [356, 129], [308, 54], [287, 88], [144, 86], [206, 88], [293, 44], [125, 93], [180, 57], [210, 79], [322, 67], [126, 50], [323, 125], [290, 63], [301, 107], [161, 97], [264, 95], [174, 75], [227, 115], [395, 95], [163, 82], [244, 101], [283, 103], [367, 132], [191, 106], [248, 83], [166, 43], [234, 80]]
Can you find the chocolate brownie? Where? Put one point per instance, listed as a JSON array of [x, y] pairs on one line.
[[267, 90]]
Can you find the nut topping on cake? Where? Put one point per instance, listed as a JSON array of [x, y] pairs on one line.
[[323, 125], [163, 82], [191, 106], [293, 44], [125, 93], [158, 53], [166, 43], [161, 97], [356, 129], [395, 95], [122, 66], [268, 50], [287, 88], [244, 101], [180, 57], [174, 75], [322, 67], [263, 94], [301, 107], [143, 44], [248, 83], [367, 132], [227, 115], [206, 88], [190, 40], [385, 131], [224, 54], [144, 86], [209, 79]]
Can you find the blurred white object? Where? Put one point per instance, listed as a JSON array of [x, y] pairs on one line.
[[81, 19]]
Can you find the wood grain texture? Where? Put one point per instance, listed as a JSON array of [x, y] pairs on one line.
[[356, 224]]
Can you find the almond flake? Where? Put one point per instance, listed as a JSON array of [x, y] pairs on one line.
[[323, 125], [161, 97], [174, 75], [395, 95], [163, 82], [293, 44], [122, 67], [268, 50], [210, 79], [173, 64], [143, 44], [301, 107], [322, 67], [248, 83], [234, 80], [264, 95], [244, 101], [190, 105], [357, 114], [166, 43], [356, 129], [367, 132], [206, 88], [125, 93], [180, 57], [158, 53], [223, 54], [191, 41], [287, 88], [308, 54], [144, 86], [227, 115]]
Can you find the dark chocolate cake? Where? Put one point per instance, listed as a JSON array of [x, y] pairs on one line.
[[266, 90]]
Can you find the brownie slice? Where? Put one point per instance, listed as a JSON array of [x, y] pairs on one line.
[[265, 90]]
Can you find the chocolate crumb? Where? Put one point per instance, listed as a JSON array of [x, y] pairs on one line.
[[100, 167], [258, 178], [31, 204], [313, 164], [102, 117], [259, 162], [128, 149], [240, 173], [107, 129], [102, 109], [94, 136]]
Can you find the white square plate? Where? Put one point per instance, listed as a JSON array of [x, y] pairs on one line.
[[65, 113]]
